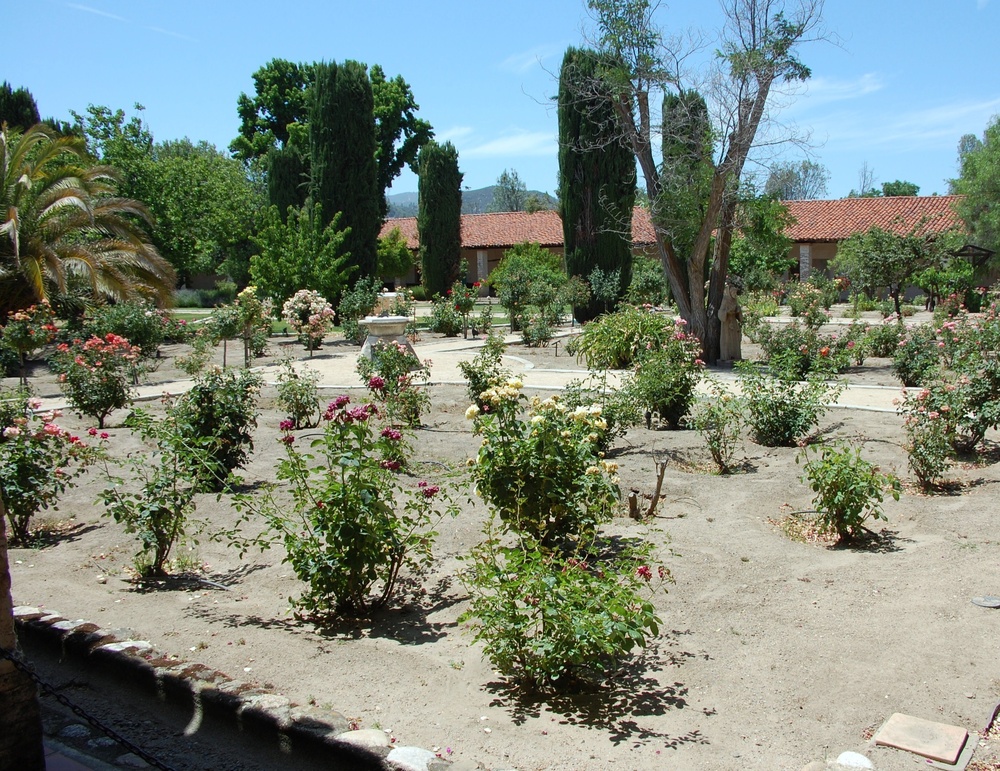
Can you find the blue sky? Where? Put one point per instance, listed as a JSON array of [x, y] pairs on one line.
[[907, 80]]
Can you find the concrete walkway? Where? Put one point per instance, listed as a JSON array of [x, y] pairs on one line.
[[337, 370]]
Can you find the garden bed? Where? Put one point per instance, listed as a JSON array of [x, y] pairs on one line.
[[773, 652]]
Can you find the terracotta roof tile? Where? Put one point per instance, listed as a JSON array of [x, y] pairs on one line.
[[500, 230], [841, 218]]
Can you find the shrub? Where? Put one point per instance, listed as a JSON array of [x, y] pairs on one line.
[[38, 460], [542, 474], [927, 441], [220, 413], [310, 315], [806, 301], [97, 375], [484, 370], [781, 413], [969, 404], [883, 339], [794, 351], [549, 620], [527, 276], [352, 525], [664, 381], [848, 488], [445, 318], [619, 407], [648, 285], [356, 303], [719, 420], [139, 323], [298, 395], [28, 330], [395, 377], [617, 340], [916, 360], [159, 509]]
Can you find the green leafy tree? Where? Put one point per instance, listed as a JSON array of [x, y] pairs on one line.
[[899, 187], [509, 193], [802, 181], [342, 150], [439, 216], [596, 183], [61, 218], [979, 182], [17, 108], [300, 253], [758, 50], [277, 118], [394, 257], [761, 251], [881, 259]]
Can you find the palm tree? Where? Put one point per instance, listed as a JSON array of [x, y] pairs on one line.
[[60, 218]]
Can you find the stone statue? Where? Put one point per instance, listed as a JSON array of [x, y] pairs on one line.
[[731, 316]]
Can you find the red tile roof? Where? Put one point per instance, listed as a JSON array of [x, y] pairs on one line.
[[843, 217], [500, 230]]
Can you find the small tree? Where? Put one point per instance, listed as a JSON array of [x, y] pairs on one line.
[[509, 193], [394, 257]]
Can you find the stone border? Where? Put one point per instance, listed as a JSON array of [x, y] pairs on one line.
[[238, 705]]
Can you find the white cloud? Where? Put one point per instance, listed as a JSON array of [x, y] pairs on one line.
[[818, 91], [520, 144], [95, 11], [526, 60]]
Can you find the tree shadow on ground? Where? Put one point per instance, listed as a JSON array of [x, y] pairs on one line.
[[49, 534], [616, 706], [885, 541], [186, 580], [408, 623]]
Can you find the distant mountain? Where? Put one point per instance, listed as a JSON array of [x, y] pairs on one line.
[[473, 202]]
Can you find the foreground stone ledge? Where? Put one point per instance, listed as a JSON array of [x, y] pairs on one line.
[[246, 707]]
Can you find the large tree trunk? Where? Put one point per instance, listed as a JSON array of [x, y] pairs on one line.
[[21, 734]]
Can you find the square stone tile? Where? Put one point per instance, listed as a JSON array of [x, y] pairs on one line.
[[937, 741]]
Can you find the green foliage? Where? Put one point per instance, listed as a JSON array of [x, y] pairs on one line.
[[445, 318], [794, 351], [542, 473], [801, 181], [883, 339], [139, 323], [98, 241], [352, 526], [664, 380], [298, 395], [219, 414], [394, 257], [979, 180], [781, 413], [484, 371], [439, 216], [39, 460], [527, 283], [300, 253], [356, 303], [97, 375], [761, 251], [551, 621], [648, 286], [395, 378], [617, 340], [619, 406], [278, 104], [169, 475], [596, 183], [719, 420], [917, 359], [899, 187], [26, 331], [927, 439], [848, 488], [805, 301], [509, 193], [343, 166], [17, 108]]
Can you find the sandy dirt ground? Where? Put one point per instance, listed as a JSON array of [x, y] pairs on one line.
[[774, 652]]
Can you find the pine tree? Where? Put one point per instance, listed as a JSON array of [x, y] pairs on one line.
[[342, 152], [596, 179], [439, 216], [17, 108]]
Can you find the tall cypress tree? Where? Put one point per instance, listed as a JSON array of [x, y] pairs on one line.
[[342, 153], [17, 107], [439, 216], [596, 178], [287, 175]]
